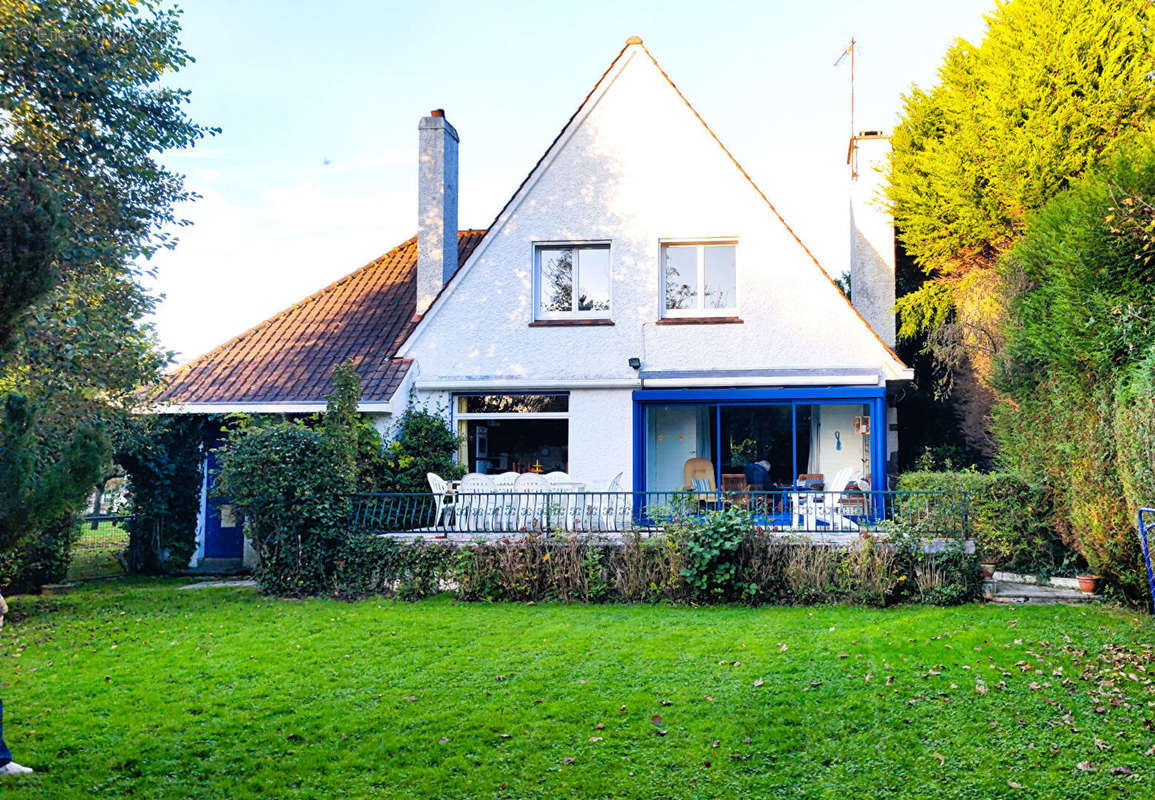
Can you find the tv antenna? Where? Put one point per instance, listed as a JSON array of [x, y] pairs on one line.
[[849, 51]]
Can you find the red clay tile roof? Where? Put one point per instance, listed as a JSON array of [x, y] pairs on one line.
[[365, 317]]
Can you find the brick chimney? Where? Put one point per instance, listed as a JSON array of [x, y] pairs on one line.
[[436, 206]]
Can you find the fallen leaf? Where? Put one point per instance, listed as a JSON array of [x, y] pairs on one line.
[[600, 726], [1101, 745], [410, 698], [758, 682], [844, 655], [595, 738], [710, 698], [1085, 766], [1120, 771], [781, 648], [443, 740], [715, 744], [661, 733], [504, 735], [568, 760], [622, 710], [1014, 784], [656, 719], [941, 758], [667, 702]]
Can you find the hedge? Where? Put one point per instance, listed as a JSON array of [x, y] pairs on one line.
[[1009, 518]]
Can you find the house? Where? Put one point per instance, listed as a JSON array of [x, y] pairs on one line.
[[637, 303]]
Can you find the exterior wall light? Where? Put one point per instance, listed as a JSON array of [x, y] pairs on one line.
[[635, 363]]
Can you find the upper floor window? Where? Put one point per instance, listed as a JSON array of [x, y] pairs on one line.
[[573, 281], [700, 279]]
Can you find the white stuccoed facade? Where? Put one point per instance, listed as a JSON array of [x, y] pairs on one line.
[[636, 167]]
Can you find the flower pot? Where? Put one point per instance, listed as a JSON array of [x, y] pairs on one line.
[[988, 568], [1088, 583]]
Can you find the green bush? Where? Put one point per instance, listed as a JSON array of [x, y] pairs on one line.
[[712, 545], [43, 558], [165, 464], [289, 484], [421, 442], [376, 565], [1009, 518]]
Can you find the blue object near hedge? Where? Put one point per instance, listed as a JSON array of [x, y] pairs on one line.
[[1147, 522]]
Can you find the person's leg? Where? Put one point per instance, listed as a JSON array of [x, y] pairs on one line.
[[5, 753]]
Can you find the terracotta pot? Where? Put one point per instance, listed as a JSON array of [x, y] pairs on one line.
[[1088, 583], [988, 568]]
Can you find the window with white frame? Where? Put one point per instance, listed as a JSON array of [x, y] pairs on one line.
[[513, 432], [573, 281], [700, 279]]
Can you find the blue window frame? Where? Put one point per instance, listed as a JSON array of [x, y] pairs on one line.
[[872, 397]]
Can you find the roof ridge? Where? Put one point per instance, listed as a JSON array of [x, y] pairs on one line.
[[761, 194], [314, 297]]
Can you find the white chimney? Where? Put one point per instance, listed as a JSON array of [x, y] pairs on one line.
[[871, 235], [436, 206]]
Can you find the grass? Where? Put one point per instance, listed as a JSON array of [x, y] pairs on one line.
[[94, 554], [139, 689]]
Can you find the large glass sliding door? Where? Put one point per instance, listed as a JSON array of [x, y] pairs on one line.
[[674, 435], [760, 445]]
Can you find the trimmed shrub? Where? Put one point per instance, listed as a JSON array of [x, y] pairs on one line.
[[295, 496], [1009, 518]]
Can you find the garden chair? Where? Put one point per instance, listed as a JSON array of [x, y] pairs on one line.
[[531, 498], [505, 480], [441, 491], [615, 506], [698, 476], [475, 503]]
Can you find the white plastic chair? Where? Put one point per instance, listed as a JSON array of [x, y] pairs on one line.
[[614, 506], [812, 508], [475, 502], [441, 489], [505, 480], [531, 492]]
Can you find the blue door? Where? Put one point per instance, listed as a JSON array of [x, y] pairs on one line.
[[224, 534]]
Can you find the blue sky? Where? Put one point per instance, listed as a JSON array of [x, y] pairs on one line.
[[314, 173]]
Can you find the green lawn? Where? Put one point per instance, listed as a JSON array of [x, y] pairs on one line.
[[136, 689], [94, 554]]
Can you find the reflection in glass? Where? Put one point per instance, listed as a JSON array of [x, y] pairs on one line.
[[594, 279], [681, 270], [556, 280], [719, 279], [511, 403]]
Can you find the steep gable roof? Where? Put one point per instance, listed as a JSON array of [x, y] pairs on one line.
[[571, 124], [289, 358]]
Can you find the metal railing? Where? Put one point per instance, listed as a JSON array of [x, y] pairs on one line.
[[810, 512], [98, 550]]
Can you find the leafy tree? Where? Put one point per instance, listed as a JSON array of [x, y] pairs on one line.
[[83, 200], [1076, 369], [1013, 121], [33, 497], [164, 461], [85, 118]]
